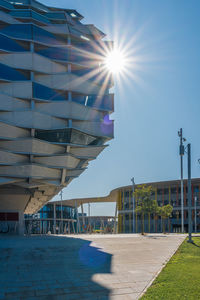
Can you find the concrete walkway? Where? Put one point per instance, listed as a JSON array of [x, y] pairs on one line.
[[106, 267]]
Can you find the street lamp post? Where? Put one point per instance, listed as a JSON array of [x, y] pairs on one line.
[[195, 214], [189, 195], [133, 189], [181, 153]]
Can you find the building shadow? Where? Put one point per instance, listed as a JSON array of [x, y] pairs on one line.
[[52, 267]]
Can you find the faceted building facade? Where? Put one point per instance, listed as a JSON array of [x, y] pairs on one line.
[[54, 103]]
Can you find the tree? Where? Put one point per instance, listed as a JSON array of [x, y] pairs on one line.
[[145, 203], [165, 212]]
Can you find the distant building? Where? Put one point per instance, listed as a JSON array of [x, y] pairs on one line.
[[54, 217], [166, 192]]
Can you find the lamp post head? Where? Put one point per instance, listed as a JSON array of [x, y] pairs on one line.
[[180, 132], [132, 179]]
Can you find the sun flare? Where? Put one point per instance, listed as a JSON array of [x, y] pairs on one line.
[[115, 61]]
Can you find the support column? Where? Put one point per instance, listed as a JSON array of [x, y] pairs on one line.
[[21, 223], [54, 218], [82, 212], [115, 224], [133, 197], [78, 223]]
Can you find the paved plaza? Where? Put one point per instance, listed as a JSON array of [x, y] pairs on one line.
[[107, 267]]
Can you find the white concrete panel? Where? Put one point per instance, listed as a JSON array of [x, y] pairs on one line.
[[65, 161], [13, 202], [86, 151], [42, 64], [9, 131], [8, 103], [32, 171], [17, 60], [32, 146], [33, 119], [31, 61], [21, 89], [74, 173], [7, 158], [68, 82], [71, 110]]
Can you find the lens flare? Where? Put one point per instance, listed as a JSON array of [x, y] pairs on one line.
[[115, 61]]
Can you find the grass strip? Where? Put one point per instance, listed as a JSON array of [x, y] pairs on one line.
[[180, 278]]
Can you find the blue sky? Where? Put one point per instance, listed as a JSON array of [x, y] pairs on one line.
[[160, 95]]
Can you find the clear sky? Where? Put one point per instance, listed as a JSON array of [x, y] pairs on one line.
[[160, 93]]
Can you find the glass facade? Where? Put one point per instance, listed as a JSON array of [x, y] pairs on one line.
[[52, 218], [45, 93], [67, 135], [10, 74], [7, 44], [27, 13], [31, 32]]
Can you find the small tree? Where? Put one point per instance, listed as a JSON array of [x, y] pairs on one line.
[[145, 203], [165, 212]]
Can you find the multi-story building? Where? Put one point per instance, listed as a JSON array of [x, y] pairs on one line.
[[165, 192], [54, 103]]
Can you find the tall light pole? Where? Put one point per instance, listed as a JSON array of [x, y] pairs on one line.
[[189, 195], [133, 189], [181, 153], [195, 214]]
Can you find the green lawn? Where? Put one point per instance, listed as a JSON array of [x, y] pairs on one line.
[[180, 279]]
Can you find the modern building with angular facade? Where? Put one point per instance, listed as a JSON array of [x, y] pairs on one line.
[[54, 103]]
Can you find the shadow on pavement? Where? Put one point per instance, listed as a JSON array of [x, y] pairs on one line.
[[52, 267]]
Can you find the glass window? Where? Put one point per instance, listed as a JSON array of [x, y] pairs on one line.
[[55, 53], [56, 15], [45, 93], [21, 31], [67, 135], [6, 4], [105, 102], [8, 73], [32, 32], [9, 45], [46, 37]]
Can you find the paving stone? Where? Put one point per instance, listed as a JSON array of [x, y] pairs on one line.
[[92, 267]]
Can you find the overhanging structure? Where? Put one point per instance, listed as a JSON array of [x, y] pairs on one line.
[[54, 102]]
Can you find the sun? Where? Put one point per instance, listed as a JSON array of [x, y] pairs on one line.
[[115, 61]]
